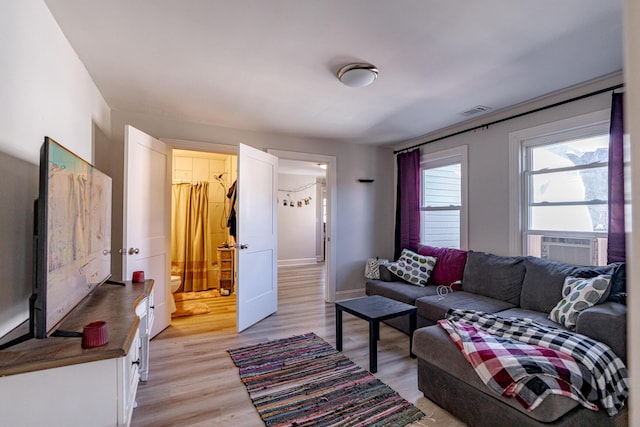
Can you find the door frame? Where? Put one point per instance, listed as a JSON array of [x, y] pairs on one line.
[[332, 208], [330, 259]]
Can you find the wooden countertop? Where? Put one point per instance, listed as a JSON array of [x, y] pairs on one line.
[[112, 303]]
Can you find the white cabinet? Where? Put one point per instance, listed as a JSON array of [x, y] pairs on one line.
[[56, 382], [97, 394]]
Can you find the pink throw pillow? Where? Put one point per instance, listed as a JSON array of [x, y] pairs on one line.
[[449, 266]]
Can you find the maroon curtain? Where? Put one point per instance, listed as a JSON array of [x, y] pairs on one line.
[[616, 242], [408, 202]]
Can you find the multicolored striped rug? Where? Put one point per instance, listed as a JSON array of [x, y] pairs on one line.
[[303, 381]]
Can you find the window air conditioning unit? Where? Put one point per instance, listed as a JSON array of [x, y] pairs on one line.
[[571, 250]]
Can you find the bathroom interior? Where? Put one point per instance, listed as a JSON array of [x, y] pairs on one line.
[[202, 235]]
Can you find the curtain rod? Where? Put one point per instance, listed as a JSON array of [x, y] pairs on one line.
[[515, 116]]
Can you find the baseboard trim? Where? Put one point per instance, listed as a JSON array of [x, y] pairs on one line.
[[350, 294], [299, 261]]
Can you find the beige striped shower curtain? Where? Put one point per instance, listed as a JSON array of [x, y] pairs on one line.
[[189, 233]]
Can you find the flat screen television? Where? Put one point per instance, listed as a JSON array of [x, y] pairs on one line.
[[72, 235]]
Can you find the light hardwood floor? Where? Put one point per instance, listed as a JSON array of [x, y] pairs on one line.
[[193, 382]]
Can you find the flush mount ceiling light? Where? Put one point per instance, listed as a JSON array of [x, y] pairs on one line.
[[357, 75]]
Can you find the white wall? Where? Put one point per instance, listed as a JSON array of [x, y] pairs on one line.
[[365, 212], [632, 123], [488, 193], [297, 224], [44, 91]]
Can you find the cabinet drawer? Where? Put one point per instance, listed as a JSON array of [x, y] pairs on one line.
[[226, 274], [222, 255]]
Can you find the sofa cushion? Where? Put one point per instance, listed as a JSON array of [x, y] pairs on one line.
[[435, 307], [606, 323], [385, 274], [543, 280], [399, 291], [450, 265], [536, 316], [432, 344], [577, 295], [618, 272], [494, 276], [413, 268]]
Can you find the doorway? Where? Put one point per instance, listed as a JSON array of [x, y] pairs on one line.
[[330, 211], [202, 243], [329, 192], [301, 218]]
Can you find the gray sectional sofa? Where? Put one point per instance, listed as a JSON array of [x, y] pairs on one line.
[[525, 287]]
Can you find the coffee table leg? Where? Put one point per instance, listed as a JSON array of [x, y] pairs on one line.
[[338, 329], [412, 329], [374, 333]]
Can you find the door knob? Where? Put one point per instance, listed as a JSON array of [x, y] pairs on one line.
[[134, 251], [244, 246]]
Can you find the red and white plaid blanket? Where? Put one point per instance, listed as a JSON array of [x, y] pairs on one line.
[[513, 357]]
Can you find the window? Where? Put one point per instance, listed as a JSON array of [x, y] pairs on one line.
[[443, 216], [566, 185], [564, 190]]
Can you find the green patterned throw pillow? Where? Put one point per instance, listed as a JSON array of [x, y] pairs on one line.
[[415, 269], [578, 294]]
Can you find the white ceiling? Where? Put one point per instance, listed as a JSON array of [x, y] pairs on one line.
[[298, 167], [269, 66]]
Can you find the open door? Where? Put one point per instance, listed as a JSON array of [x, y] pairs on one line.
[[257, 238], [147, 210]]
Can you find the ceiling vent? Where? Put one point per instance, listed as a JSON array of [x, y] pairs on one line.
[[476, 110]]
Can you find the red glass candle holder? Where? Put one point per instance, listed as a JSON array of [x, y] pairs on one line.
[[95, 334], [138, 277]]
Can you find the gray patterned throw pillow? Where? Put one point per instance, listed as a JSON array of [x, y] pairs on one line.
[[415, 269], [578, 294]]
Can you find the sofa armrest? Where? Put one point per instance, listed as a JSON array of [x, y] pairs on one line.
[[606, 323], [385, 274]]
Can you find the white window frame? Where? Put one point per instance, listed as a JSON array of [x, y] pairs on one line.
[[448, 157], [582, 126]]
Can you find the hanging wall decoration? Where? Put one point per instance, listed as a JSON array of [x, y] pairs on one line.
[[292, 200]]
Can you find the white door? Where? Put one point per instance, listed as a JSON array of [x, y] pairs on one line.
[[257, 238], [147, 210]]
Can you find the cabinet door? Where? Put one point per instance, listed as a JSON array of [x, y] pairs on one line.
[[128, 376], [79, 395]]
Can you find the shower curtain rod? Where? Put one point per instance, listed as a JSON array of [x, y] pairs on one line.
[[515, 116]]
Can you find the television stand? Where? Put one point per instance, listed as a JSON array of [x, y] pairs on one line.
[[76, 387]]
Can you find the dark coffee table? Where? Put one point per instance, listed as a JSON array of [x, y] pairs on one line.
[[374, 309]]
